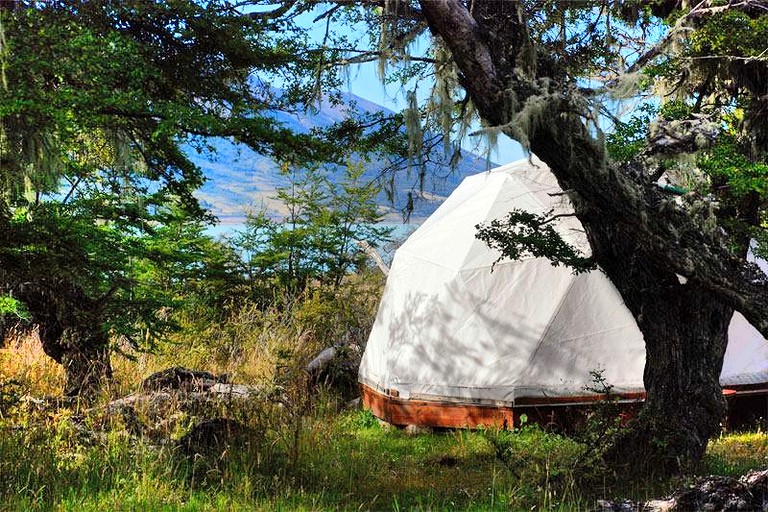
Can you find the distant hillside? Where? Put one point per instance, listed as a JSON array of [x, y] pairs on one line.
[[240, 180]]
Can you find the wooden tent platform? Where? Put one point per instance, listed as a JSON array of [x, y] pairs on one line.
[[746, 405]]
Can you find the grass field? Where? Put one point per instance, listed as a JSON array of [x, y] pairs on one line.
[[344, 461], [300, 455]]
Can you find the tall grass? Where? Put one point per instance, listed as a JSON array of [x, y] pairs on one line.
[[23, 362], [252, 342], [736, 453], [338, 461], [343, 463], [299, 452]]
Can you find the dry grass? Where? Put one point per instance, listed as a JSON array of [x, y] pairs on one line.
[[22, 360], [248, 349], [252, 345]]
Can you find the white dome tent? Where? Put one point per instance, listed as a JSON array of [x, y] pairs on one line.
[[455, 344]]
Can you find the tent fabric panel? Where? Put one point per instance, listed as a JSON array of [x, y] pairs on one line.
[[514, 320], [746, 357], [592, 331], [485, 197], [435, 238], [438, 339]]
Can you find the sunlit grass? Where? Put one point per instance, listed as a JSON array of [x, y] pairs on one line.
[[737, 453], [345, 462], [23, 362], [340, 462], [303, 455]]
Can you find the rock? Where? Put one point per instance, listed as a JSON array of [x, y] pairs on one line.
[[154, 405], [158, 406], [385, 425], [757, 481], [234, 390], [709, 494], [131, 420], [213, 437], [659, 505], [354, 405], [414, 430], [181, 378], [715, 493], [635, 506], [617, 506], [337, 367]]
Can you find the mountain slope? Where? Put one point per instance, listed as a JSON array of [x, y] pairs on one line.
[[240, 180]]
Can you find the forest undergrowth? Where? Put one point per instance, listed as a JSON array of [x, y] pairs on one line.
[[305, 450]]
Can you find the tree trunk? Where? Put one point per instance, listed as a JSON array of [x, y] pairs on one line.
[[70, 325], [685, 333], [86, 362], [685, 327], [635, 238]]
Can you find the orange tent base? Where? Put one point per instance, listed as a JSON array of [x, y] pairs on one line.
[[433, 413], [560, 412], [564, 414]]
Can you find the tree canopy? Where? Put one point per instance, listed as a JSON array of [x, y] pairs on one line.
[[99, 227]]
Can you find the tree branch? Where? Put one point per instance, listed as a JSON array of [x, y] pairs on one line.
[[450, 20]]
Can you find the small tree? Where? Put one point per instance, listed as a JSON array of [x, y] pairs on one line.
[[316, 240]]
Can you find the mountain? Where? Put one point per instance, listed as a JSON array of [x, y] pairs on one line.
[[239, 180]]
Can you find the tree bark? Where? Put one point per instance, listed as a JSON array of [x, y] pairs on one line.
[[684, 323], [685, 329], [685, 336]]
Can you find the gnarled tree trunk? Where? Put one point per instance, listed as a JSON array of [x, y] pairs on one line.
[[684, 324], [685, 337], [85, 360], [685, 329]]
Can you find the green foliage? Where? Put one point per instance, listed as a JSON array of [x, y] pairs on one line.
[[604, 420], [544, 462], [100, 234], [56, 459], [628, 138], [523, 233], [317, 240], [13, 307], [740, 185], [675, 109], [727, 165], [363, 419], [716, 36], [11, 392], [249, 337], [736, 453], [136, 272]]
